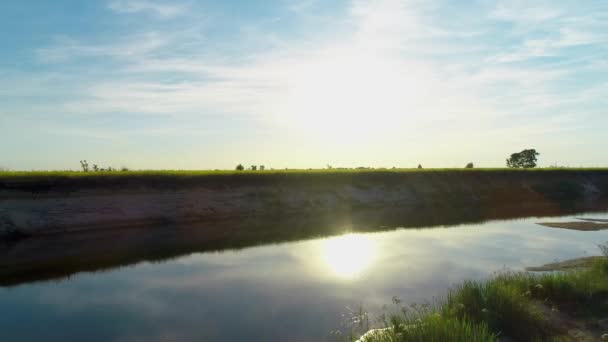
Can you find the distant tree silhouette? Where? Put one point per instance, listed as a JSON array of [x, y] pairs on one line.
[[525, 159], [85, 165], [469, 166], [253, 167], [419, 166], [240, 167], [262, 167]]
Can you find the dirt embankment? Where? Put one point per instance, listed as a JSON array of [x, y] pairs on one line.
[[80, 221], [31, 206]]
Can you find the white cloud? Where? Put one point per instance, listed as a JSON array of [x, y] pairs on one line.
[[376, 76], [65, 49], [548, 29], [161, 9], [301, 6], [372, 69], [525, 12], [533, 48]]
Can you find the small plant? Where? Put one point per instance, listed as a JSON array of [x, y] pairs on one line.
[[469, 166], [240, 167]]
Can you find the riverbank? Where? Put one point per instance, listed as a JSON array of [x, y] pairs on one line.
[[57, 224], [561, 306], [39, 203]]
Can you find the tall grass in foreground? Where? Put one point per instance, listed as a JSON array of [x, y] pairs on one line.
[[513, 305]]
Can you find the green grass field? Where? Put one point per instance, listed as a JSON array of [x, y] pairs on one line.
[[42, 181], [341, 171]]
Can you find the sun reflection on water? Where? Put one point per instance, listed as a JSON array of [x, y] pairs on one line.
[[348, 255]]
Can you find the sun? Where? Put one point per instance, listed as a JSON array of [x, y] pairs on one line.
[[348, 95], [347, 256]]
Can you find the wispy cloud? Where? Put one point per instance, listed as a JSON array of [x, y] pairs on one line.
[[65, 49], [379, 66], [522, 11], [548, 29], [394, 72], [533, 48], [162, 9]]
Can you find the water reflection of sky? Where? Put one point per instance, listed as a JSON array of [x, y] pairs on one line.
[[294, 291]]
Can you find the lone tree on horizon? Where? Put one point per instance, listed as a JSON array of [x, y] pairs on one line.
[[525, 159]]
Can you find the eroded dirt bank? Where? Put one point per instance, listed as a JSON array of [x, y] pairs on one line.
[[57, 227], [32, 206]]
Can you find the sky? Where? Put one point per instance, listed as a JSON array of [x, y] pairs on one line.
[[186, 84]]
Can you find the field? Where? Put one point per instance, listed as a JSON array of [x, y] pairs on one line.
[[271, 176], [191, 173]]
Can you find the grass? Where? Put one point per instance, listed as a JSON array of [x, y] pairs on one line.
[[44, 180], [191, 173], [511, 304], [500, 306]]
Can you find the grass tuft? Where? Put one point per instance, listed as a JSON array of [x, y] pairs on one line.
[[503, 307]]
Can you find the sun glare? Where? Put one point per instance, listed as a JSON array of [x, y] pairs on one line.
[[348, 95], [348, 255]]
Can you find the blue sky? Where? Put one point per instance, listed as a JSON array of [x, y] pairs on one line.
[[158, 84]]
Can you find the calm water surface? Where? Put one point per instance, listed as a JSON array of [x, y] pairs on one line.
[[283, 292]]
